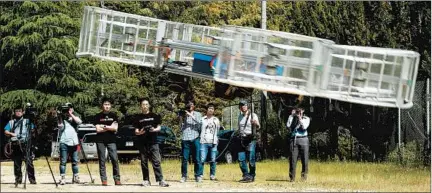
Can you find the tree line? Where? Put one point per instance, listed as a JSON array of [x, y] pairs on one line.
[[38, 42]]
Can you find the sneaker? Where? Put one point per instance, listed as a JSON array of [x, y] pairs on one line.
[[62, 181], [198, 179], [145, 183], [163, 184], [117, 182], [104, 183], [183, 180], [212, 177], [246, 179], [75, 179], [33, 182]]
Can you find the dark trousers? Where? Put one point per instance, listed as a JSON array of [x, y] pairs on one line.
[[150, 151], [191, 146], [18, 156], [300, 145], [112, 153]]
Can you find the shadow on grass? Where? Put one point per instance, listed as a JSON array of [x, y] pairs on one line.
[[277, 180], [7, 183]]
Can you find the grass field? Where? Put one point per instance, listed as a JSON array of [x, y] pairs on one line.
[[271, 176]]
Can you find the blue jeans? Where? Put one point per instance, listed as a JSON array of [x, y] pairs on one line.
[[66, 150], [204, 150], [192, 146], [248, 152]]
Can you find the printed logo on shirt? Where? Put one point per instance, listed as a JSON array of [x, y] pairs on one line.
[[148, 119], [106, 119]]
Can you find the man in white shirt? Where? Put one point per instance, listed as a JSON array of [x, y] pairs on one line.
[[299, 143], [209, 141], [247, 142]]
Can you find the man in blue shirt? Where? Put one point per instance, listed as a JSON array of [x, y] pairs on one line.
[[299, 143], [17, 130]]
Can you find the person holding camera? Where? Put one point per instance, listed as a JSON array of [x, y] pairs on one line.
[[106, 123], [191, 127], [247, 142], [18, 131], [299, 143], [147, 125], [209, 140], [68, 140]]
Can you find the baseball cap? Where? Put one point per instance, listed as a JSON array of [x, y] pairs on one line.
[[242, 103]]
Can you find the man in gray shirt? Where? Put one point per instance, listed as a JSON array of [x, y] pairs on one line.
[[191, 127], [209, 141]]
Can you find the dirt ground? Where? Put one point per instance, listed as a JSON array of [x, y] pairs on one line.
[[46, 184]]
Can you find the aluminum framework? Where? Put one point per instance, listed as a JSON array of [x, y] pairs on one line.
[[249, 57]]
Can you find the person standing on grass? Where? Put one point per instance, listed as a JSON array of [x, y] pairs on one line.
[[106, 123], [68, 138], [147, 125], [299, 143], [247, 142], [209, 140], [191, 127], [17, 129]]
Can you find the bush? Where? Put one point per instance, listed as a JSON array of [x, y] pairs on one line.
[[411, 154]]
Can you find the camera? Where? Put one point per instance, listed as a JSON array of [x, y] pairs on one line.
[[147, 128], [30, 111], [181, 112], [63, 109]]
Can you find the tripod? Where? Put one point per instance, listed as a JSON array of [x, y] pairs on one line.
[[80, 144], [28, 152], [85, 159]]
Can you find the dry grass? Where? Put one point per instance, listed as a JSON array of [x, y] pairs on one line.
[[273, 176]]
